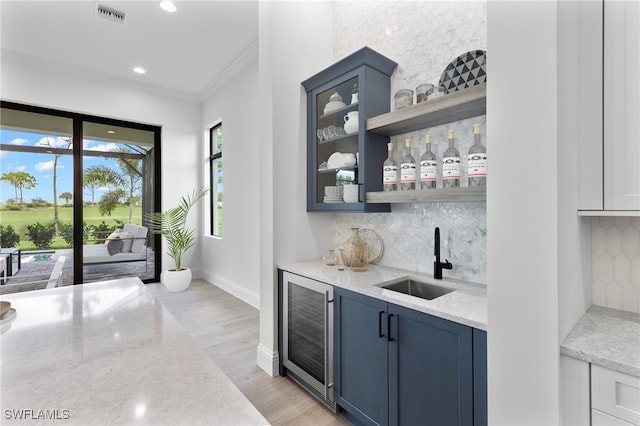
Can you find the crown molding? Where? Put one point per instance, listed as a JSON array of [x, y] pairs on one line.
[[248, 54]]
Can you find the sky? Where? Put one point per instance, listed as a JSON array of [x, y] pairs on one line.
[[41, 165]]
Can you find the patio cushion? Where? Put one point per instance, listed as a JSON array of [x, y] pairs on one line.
[[127, 241], [115, 246], [139, 234], [115, 234]]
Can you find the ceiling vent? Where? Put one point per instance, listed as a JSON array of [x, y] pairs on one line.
[[110, 13]]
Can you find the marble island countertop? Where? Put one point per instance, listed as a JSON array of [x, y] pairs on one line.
[[109, 353], [606, 337], [467, 304]]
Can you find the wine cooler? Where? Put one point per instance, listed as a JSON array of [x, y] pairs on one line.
[[307, 340]]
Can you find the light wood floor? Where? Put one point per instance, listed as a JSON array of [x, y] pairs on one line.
[[227, 330]]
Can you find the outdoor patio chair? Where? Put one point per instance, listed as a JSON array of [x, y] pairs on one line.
[[54, 280], [56, 275]]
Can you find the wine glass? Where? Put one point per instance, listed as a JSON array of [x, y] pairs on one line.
[[332, 132], [320, 135]]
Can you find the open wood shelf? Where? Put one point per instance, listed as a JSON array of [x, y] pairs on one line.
[[476, 193], [465, 103]]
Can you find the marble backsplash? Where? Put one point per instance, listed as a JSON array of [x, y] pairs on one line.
[[422, 37], [408, 235], [615, 262]]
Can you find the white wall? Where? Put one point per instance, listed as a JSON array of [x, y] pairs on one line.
[[523, 253], [232, 262], [41, 83], [295, 43]]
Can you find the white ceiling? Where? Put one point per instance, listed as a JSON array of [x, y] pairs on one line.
[[185, 51]]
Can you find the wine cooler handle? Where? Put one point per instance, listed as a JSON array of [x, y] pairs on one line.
[[380, 333], [327, 354], [389, 338]]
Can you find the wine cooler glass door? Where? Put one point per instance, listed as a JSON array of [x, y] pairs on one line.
[[308, 334]]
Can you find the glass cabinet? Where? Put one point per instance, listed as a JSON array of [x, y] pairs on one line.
[[344, 161]]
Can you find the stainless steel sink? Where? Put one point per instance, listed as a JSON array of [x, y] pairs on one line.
[[418, 288]]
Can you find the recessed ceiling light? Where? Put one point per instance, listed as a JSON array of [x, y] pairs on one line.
[[168, 6], [111, 132], [139, 70]]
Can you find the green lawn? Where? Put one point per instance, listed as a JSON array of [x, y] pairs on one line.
[[21, 218]]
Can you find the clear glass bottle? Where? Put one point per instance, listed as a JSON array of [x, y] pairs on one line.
[[359, 254], [451, 164], [390, 171], [329, 258], [408, 168], [428, 166], [477, 160]]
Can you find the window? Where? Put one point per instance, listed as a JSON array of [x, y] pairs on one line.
[[215, 160]]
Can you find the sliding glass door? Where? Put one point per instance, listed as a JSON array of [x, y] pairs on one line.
[[117, 179], [75, 187]]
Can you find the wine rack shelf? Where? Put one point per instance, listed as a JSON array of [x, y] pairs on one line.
[[476, 193], [455, 106]]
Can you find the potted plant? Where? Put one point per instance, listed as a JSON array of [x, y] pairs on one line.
[[172, 224]]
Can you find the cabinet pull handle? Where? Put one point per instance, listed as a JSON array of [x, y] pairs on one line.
[[389, 338], [380, 333]]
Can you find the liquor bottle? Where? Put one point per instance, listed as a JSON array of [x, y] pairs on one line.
[[451, 164], [390, 171], [408, 168], [477, 160], [428, 166]]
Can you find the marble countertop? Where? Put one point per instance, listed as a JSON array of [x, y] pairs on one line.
[[109, 353], [606, 337], [466, 305]]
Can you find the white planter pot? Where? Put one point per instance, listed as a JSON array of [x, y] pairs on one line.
[[176, 281]]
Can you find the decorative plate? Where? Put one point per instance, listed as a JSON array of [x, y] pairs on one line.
[[375, 243], [333, 106], [468, 69]]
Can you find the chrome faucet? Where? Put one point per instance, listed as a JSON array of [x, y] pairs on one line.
[[437, 265]]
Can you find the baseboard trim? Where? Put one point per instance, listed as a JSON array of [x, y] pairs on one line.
[[232, 288], [269, 361]]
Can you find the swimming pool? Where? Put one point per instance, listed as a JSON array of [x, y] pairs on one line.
[[37, 256]]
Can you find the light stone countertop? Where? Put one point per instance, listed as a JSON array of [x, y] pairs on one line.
[[606, 337], [109, 353], [466, 305]]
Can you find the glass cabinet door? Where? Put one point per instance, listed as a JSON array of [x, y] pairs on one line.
[[337, 130]]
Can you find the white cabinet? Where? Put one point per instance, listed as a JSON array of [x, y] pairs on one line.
[[597, 396], [599, 418], [615, 397], [610, 164]]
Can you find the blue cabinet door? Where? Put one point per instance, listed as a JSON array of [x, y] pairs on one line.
[[430, 370], [361, 382]]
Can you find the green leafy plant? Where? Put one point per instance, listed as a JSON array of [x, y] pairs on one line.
[[172, 224], [8, 236], [41, 235], [66, 232]]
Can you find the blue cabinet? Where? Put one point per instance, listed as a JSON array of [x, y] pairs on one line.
[[361, 380], [352, 90], [397, 366]]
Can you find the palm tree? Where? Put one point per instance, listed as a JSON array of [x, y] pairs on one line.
[[64, 142], [20, 181], [97, 176], [66, 196], [131, 169]]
